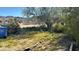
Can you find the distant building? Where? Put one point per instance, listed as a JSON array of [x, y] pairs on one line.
[[23, 22], [5, 20]]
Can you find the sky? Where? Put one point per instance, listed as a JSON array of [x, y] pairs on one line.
[[11, 11]]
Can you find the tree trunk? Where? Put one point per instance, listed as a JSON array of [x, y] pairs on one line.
[[49, 26]]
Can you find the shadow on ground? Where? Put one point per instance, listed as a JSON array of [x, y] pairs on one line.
[[66, 42]]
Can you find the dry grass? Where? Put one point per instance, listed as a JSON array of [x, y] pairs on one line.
[[38, 41]]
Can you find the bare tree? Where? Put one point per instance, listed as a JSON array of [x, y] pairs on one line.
[[44, 14]]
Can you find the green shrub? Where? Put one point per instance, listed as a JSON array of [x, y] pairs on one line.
[[12, 28], [58, 27], [71, 19]]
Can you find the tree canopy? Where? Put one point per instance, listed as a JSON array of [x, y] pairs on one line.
[[71, 17], [44, 14]]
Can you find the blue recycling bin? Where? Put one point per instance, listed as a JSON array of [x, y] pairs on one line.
[[3, 32]]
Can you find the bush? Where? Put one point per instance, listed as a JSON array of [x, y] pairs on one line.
[[58, 27], [13, 28], [71, 18]]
